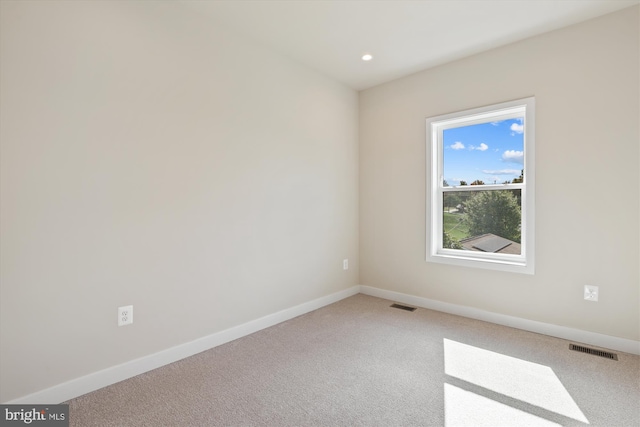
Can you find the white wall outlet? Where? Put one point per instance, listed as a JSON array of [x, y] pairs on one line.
[[125, 315], [591, 293], [345, 264]]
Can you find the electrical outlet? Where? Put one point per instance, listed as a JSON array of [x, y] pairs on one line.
[[125, 315], [345, 264], [591, 293]]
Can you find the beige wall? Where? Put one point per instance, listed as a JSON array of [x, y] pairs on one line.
[[586, 82], [150, 159]]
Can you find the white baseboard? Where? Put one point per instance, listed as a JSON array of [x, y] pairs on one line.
[[580, 336], [88, 383]]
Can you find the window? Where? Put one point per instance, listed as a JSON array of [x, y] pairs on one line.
[[480, 186]]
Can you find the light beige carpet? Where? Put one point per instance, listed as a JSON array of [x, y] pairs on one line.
[[359, 362]]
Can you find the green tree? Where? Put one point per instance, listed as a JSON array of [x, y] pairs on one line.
[[495, 212], [449, 242], [463, 182], [451, 200], [477, 182], [520, 179], [518, 193]]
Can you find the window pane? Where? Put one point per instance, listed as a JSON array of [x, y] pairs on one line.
[[485, 153], [486, 221]]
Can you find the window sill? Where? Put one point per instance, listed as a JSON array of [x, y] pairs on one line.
[[513, 266]]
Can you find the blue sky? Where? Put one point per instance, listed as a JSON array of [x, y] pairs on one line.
[[491, 152]]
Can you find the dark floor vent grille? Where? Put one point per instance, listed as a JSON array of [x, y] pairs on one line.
[[605, 354], [403, 307]]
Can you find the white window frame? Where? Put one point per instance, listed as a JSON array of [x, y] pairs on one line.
[[523, 263]]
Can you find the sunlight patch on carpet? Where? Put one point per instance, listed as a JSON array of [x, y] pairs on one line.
[[514, 378], [465, 408]]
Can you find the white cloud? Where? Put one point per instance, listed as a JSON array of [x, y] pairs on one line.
[[457, 146], [496, 123], [517, 128], [502, 172], [481, 147], [513, 156]]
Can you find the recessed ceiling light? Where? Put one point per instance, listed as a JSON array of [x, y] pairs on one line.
[[367, 57]]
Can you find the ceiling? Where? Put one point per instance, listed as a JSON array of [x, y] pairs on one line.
[[403, 36]]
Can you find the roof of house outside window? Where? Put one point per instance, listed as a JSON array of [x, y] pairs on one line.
[[491, 243]]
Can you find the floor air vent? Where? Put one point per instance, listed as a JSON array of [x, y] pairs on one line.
[[403, 307], [605, 354]]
